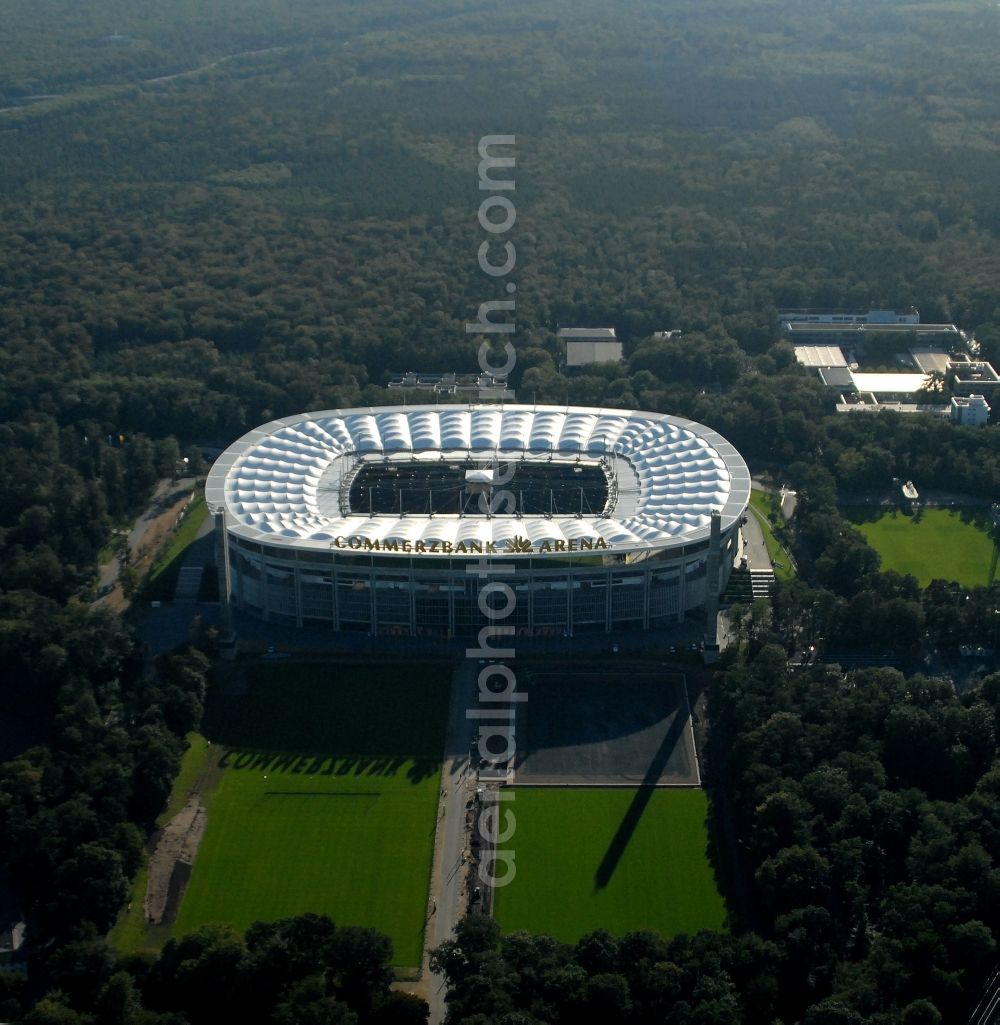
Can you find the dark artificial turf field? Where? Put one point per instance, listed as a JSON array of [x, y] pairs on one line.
[[604, 723]]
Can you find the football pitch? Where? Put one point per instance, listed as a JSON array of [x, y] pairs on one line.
[[326, 801], [620, 859], [939, 544]]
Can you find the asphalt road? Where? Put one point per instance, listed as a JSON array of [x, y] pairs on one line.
[[448, 897], [756, 550]]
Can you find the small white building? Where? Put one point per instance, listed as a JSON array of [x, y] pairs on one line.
[[586, 345], [970, 410]]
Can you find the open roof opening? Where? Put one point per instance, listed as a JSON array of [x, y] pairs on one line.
[[465, 488]]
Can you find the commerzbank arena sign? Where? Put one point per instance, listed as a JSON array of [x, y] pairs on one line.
[[515, 546]]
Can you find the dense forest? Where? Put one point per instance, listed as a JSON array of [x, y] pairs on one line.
[[213, 214]]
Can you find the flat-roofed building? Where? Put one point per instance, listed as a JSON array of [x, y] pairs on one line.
[[901, 385], [931, 360], [811, 316], [832, 333], [820, 356], [973, 377], [867, 402], [836, 377], [970, 410], [587, 345], [867, 393]]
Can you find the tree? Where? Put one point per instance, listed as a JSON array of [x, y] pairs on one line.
[[794, 877], [120, 1002], [201, 975], [81, 970], [359, 966], [402, 1009], [156, 755], [606, 998], [306, 1003], [90, 885], [52, 1009]]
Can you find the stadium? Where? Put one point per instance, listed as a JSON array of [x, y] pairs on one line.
[[385, 520]]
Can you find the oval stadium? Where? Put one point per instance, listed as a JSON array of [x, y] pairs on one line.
[[387, 520]]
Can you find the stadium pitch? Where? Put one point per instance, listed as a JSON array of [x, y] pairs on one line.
[[327, 799], [615, 723]]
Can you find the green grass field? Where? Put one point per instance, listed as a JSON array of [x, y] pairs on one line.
[[327, 800], [939, 545], [602, 859]]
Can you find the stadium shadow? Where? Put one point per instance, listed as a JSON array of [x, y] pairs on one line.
[[574, 705], [417, 768], [643, 795]]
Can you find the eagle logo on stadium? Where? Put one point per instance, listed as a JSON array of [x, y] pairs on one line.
[[519, 544]]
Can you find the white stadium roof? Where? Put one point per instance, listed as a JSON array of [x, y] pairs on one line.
[[280, 483]]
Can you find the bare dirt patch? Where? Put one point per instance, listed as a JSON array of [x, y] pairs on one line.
[[171, 861]]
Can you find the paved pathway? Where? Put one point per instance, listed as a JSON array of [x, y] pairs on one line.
[[756, 550], [448, 898]]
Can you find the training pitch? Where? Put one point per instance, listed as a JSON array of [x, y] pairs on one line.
[[621, 859], [327, 799], [604, 724], [938, 544]]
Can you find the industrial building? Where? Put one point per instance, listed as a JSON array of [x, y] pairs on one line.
[[872, 316], [587, 345], [856, 334]]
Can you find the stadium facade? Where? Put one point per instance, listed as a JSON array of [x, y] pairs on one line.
[[384, 520]]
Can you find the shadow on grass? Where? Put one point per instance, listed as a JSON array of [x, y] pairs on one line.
[[973, 516], [367, 721], [643, 795], [312, 764], [858, 514]]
